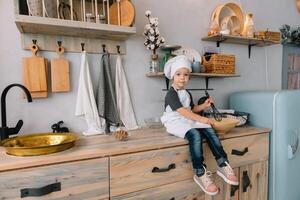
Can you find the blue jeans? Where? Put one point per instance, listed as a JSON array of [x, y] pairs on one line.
[[195, 138]]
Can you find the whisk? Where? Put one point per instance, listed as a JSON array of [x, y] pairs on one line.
[[216, 114]]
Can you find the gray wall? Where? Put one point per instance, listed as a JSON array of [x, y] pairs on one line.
[[181, 22]]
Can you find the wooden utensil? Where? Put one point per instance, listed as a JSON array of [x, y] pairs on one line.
[[35, 74], [126, 14], [235, 10], [60, 72]]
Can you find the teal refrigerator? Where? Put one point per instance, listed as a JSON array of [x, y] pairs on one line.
[[279, 111]]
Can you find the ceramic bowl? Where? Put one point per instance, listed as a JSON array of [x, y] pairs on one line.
[[224, 126]]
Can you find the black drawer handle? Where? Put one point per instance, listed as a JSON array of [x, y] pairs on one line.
[[173, 198], [246, 181], [158, 170], [234, 188], [239, 153], [36, 192]]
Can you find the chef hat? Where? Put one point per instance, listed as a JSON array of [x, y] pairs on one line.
[[176, 63]]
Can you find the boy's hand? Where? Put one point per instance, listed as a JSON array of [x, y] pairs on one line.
[[207, 102], [206, 120]]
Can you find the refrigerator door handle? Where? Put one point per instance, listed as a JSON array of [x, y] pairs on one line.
[[292, 149]]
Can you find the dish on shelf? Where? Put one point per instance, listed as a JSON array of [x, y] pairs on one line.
[[232, 24], [50, 8], [192, 54], [64, 11], [127, 13], [168, 47], [35, 7]]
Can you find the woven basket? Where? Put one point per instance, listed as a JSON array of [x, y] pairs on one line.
[[219, 64], [268, 35]]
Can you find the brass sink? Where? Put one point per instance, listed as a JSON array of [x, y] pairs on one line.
[[39, 144]]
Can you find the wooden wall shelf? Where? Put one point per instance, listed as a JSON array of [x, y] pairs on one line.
[[239, 40], [52, 26], [219, 38], [205, 75]]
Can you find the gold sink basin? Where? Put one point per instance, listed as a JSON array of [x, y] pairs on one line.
[[39, 144]]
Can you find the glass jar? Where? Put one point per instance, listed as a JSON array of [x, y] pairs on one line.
[[154, 63]]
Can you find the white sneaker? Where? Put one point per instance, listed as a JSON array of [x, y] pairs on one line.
[[227, 174], [206, 183]]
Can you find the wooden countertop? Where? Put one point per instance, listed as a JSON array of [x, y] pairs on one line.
[[106, 145]]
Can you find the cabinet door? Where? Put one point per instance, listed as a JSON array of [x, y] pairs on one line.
[[182, 190], [226, 191], [254, 181], [74, 181]]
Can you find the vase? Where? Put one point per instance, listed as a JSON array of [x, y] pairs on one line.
[[249, 29], [154, 63]]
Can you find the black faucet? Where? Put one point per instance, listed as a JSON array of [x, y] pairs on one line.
[[4, 130]]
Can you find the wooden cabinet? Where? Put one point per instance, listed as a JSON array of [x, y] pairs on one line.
[[74, 180], [152, 164], [132, 176]]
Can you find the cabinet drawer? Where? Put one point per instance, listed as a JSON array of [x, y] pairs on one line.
[[78, 180], [139, 171], [242, 150], [182, 190]]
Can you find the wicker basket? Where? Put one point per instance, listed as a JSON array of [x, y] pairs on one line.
[[268, 35], [219, 64]]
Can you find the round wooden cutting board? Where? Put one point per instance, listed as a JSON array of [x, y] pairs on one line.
[[127, 13]]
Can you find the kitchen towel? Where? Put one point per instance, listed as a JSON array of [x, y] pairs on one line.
[[106, 96], [86, 104], [123, 97]]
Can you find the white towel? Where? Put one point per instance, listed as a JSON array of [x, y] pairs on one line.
[[86, 104], [123, 98]]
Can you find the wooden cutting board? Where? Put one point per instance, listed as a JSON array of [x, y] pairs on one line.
[[35, 74], [126, 16], [60, 73]]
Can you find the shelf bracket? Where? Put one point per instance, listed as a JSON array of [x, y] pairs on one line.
[[249, 49], [206, 82], [167, 83], [220, 41]]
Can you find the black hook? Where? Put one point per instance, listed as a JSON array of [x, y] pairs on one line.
[[103, 48], [34, 42], [82, 46], [118, 49], [59, 45]]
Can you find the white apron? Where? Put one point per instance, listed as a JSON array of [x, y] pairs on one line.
[[177, 124]]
